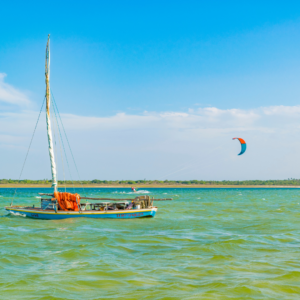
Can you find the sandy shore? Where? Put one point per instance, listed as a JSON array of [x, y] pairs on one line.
[[145, 186]]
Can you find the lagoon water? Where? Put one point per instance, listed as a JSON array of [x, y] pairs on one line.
[[206, 244]]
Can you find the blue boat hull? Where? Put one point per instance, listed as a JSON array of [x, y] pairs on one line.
[[52, 215]]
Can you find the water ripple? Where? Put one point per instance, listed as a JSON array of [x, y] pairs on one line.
[[206, 244]]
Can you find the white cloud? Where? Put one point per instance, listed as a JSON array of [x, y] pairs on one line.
[[197, 144], [11, 95], [288, 111], [209, 119]]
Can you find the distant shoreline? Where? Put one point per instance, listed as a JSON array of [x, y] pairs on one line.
[[146, 186]]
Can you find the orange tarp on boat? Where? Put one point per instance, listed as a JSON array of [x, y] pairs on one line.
[[67, 201]]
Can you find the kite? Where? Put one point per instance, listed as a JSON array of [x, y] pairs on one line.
[[243, 145]]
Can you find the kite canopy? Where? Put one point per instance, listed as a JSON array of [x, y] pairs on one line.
[[243, 145]]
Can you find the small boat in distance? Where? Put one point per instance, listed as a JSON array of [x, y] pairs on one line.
[[62, 205]]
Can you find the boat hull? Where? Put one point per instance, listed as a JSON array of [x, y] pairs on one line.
[[52, 215]]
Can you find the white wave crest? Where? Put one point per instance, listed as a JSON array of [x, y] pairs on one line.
[[140, 192], [17, 214], [19, 229], [137, 192]]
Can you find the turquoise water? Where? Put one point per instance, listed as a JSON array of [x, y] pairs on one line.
[[206, 244]]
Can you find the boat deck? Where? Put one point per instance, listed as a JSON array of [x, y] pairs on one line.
[[82, 210]]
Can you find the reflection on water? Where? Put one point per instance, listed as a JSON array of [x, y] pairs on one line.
[[206, 244]]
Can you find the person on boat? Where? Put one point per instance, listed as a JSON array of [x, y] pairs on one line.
[[133, 189]]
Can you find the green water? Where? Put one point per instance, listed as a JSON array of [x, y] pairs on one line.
[[206, 244]]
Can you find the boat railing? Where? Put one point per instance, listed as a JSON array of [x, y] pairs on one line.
[[140, 202]]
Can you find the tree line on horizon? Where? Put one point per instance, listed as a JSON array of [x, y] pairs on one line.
[[284, 182]]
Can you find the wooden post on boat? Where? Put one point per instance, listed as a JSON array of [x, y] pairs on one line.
[[144, 201]]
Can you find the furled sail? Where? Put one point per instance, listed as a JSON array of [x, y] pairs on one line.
[[48, 120]]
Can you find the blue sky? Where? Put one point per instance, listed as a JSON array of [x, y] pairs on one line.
[[159, 85]]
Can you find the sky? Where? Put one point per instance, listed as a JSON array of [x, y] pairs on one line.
[[153, 89]]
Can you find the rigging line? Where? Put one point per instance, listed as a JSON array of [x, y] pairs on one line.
[[54, 141], [84, 192], [12, 201], [63, 147], [203, 166], [55, 146], [62, 143], [191, 164], [61, 153], [67, 141], [54, 137]]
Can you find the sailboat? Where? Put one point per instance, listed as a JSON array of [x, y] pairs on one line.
[[63, 205]]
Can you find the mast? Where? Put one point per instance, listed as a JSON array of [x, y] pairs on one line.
[[48, 120]]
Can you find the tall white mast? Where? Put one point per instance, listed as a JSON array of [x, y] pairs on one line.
[[48, 120]]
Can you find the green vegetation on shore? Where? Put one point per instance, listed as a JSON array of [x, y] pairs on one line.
[[285, 182]]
